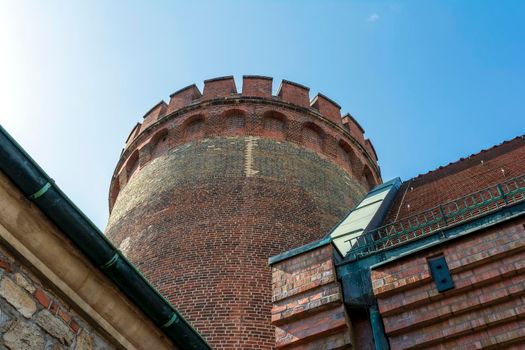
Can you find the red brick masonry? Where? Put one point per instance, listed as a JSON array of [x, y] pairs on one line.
[[308, 309], [211, 185], [486, 309], [288, 116]]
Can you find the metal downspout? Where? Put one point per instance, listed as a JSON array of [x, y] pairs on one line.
[[38, 187], [378, 331]]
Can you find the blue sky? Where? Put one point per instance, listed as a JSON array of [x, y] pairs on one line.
[[430, 81]]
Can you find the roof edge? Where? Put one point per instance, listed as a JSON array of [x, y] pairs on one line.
[[38, 187]]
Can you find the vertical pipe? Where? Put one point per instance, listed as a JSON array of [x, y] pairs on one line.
[[378, 331]]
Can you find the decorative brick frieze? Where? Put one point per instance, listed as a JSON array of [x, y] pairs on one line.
[[220, 96]]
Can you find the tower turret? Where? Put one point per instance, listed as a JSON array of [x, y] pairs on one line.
[[211, 184]]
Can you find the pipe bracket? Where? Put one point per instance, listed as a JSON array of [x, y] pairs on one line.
[[111, 261], [172, 319], [41, 191]]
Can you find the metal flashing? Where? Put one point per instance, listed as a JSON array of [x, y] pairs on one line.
[[440, 218], [299, 250], [383, 258]]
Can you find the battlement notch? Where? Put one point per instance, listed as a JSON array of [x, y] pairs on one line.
[[257, 86], [294, 93], [155, 113], [219, 87], [354, 128], [327, 107], [183, 97]]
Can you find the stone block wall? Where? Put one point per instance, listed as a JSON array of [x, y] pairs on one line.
[[308, 310], [33, 317]]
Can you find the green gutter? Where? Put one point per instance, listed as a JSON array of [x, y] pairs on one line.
[[38, 187]]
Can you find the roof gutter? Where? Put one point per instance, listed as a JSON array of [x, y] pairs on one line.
[[38, 187]]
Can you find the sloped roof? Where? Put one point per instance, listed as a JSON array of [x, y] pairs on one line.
[[467, 175]]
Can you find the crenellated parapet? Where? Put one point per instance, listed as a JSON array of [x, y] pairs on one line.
[[222, 111], [216, 180]]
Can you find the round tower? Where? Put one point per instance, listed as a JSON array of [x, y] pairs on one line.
[[211, 185]]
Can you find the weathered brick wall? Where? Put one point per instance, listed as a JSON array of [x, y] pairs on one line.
[[308, 309], [33, 317], [296, 174], [202, 230], [205, 195], [486, 309]]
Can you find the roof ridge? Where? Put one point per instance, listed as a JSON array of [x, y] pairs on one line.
[[464, 159]]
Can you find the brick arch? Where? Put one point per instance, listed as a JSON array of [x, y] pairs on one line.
[[234, 121], [159, 143], [313, 135], [132, 164], [368, 177], [347, 155], [193, 128], [275, 123], [115, 190]]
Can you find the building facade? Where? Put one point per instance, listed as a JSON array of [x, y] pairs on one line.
[[260, 221], [434, 262], [210, 185]]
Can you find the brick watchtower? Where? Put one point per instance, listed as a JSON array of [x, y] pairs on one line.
[[211, 185]]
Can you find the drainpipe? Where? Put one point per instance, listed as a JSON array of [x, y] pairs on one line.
[[378, 331], [38, 187]]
